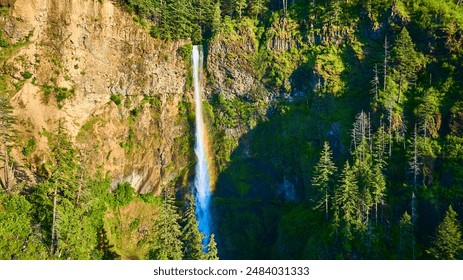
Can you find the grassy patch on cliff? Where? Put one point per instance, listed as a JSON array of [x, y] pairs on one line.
[[85, 132], [7, 49], [129, 228]]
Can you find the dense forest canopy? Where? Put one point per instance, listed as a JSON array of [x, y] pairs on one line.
[[348, 146]]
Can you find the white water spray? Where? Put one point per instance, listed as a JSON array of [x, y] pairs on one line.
[[202, 181]]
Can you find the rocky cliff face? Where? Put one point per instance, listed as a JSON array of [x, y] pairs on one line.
[[119, 93], [230, 63]]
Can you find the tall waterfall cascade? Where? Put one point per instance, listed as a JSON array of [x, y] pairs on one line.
[[202, 179]]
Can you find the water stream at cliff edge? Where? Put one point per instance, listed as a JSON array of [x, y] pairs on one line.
[[202, 181]]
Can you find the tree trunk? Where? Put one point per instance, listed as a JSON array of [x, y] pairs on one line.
[[8, 180]]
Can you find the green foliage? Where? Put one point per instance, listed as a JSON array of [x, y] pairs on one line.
[[212, 252], [15, 225], [116, 98], [87, 128], [129, 143], [68, 207], [63, 93], [428, 110], [323, 179], [448, 243], [67, 216], [320, 48], [216, 17], [3, 42], [30, 146], [330, 66], [123, 194], [407, 61], [153, 101], [407, 239], [166, 244], [240, 5], [192, 238], [173, 19], [60, 93], [228, 113], [346, 210], [185, 52], [257, 8], [4, 11], [26, 75], [232, 112], [294, 228]]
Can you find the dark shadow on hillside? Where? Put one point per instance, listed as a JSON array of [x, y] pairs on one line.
[[268, 178]]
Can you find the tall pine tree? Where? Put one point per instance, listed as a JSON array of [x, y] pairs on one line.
[[191, 236], [346, 206], [407, 61], [212, 252], [166, 243], [323, 179], [448, 244], [406, 238]]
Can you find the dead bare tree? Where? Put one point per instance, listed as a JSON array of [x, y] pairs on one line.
[[7, 179], [386, 55], [375, 82]]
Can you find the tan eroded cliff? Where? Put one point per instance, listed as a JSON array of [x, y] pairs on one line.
[[80, 53]]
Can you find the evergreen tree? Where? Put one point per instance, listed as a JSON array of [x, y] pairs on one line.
[[407, 60], [448, 243], [216, 18], [406, 238], [323, 178], [346, 202], [191, 236], [212, 252], [379, 146], [361, 137], [365, 182], [63, 185], [179, 21], [240, 6], [167, 244], [428, 110], [15, 225], [67, 226], [335, 12], [378, 187], [257, 7]]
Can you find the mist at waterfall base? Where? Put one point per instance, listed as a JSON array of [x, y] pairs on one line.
[[202, 181]]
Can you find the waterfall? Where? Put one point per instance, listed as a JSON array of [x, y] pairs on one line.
[[202, 181]]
